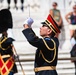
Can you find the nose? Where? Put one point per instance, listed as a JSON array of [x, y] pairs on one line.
[[40, 27]]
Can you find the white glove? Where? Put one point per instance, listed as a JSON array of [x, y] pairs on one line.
[[28, 21], [10, 33]]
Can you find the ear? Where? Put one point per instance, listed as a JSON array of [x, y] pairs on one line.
[[49, 31]]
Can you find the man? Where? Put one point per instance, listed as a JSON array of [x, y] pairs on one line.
[[7, 63], [47, 52], [55, 13]]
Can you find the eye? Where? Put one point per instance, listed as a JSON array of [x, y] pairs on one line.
[[43, 25]]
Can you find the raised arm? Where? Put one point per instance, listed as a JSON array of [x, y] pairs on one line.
[[67, 17]]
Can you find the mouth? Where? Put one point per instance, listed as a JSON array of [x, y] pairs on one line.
[[40, 30]]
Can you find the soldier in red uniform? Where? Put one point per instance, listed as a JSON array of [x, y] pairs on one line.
[[7, 63]]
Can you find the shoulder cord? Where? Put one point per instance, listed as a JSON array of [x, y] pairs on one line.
[[47, 45], [2, 42], [49, 49]]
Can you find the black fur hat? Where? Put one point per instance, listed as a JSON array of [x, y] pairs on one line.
[[5, 20]]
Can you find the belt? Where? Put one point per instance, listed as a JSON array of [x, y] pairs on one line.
[[5, 56], [45, 68]]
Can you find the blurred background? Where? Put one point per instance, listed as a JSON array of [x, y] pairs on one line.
[[38, 10]]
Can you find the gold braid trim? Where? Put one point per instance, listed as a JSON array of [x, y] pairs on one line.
[[49, 49], [51, 24], [50, 27], [48, 46], [2, 42], [6, 67]]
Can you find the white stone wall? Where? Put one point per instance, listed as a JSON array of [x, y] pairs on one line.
[[38, 10]]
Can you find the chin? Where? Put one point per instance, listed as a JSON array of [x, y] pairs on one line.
[[40, 35]]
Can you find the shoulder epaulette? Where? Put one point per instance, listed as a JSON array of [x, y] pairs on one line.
[[1, 41]]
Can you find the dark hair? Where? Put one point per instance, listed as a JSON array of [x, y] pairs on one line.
[[74, 7], [52, 34], [55, 3]]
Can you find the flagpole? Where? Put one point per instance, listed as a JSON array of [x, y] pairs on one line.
[[15, 52], [29, 9]]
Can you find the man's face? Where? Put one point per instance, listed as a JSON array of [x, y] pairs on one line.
[[45, 31]]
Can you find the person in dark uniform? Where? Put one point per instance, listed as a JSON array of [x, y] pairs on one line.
[[47, 52], [7, 63]]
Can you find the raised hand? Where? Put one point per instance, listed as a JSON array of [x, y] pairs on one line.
[[28, 22]]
